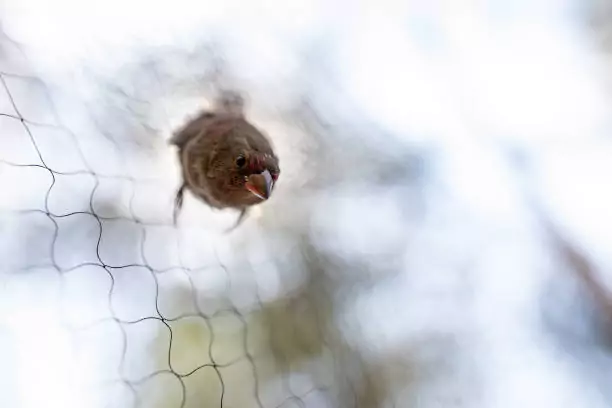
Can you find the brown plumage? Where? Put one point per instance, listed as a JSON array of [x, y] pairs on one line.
[[226, 161]]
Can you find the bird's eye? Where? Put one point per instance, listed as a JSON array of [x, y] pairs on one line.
[[240, 161]]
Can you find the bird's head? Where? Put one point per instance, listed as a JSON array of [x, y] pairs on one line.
[[259, 172]]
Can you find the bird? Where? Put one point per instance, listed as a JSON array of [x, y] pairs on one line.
[[225, 160]]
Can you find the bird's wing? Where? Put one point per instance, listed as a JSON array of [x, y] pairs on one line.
[[191, 129]]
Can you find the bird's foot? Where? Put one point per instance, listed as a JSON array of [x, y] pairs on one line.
[[241, 217]]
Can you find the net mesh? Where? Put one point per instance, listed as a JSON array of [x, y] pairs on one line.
[[188, 329]]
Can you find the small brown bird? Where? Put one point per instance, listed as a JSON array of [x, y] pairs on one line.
[[226, 161]]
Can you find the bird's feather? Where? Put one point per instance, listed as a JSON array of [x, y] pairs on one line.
[[218, 150]]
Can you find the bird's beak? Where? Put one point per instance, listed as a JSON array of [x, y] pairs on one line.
[[260, 184]]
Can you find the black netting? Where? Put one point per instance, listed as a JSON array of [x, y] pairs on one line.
[[149, 331]]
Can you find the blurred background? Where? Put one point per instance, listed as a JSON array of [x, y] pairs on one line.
[[439, 237]]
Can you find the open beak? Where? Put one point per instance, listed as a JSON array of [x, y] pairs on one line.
[[260, 184]]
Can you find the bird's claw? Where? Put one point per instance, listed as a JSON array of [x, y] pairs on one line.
[[178, 203], [238, 221]]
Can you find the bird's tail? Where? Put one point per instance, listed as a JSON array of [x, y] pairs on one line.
[[229, 102]]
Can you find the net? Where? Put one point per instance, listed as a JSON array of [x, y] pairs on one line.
[[140, 313]]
